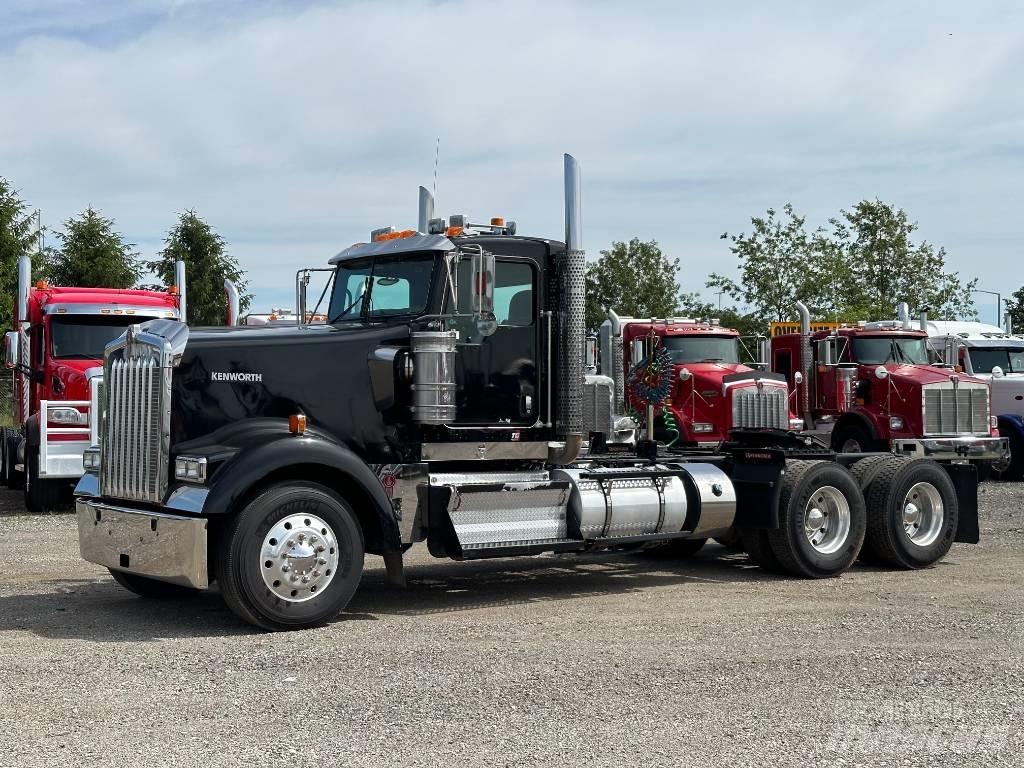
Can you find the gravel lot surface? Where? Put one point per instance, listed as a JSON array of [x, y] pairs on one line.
[[603, 660]]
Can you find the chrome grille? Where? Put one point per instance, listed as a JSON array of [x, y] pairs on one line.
[[132, 463], [949, 411], [760, 408], [598, 392]]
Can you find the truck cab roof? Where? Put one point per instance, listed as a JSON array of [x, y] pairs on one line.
[[972, 334], [80, 301]]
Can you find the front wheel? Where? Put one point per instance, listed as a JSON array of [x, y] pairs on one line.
[[41, 495], [15, 479], [1012, 468], [292, 558], [854, 438], [822, 520]]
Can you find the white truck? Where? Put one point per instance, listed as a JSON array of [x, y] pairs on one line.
[[988, 352]]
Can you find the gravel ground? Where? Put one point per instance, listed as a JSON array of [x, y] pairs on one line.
[[606, 660]]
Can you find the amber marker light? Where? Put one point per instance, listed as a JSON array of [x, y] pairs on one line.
[[297, 423]]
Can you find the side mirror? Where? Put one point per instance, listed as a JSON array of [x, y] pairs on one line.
[[798, 378], [483, 292], [12, 349], [684, 374], [997, 372], [881, 373]]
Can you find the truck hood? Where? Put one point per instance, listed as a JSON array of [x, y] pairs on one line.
[[74, 375], [233, 374], [708, 376], [917, 375]]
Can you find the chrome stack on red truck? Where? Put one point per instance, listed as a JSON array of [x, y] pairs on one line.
[[56, 355], [445, 402]]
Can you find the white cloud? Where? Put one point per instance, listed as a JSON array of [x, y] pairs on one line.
[[296, 131]]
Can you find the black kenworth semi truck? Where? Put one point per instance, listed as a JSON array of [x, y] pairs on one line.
[[445, 401]]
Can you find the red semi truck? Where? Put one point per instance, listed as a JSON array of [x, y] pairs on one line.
[[872, 387], [56, 353], [712, 392]]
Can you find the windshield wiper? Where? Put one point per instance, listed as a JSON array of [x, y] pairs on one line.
[[345, 311]]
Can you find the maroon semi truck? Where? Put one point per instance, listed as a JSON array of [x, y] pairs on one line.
[[712, 391], [871, 387]]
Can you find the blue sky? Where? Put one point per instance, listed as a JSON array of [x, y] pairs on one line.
[[295, 128]]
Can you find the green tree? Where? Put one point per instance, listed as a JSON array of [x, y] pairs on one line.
[[776, 266], [207, 265], [886, 266], [92, 254], [18, 237], [634, 279], [1015, 306]]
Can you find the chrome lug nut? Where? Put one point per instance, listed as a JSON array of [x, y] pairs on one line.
[[285, 569], [305, 579], [316, 574], [321, 561]]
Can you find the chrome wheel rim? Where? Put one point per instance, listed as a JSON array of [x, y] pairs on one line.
[[299, 557], [923, 514], [827, 520]]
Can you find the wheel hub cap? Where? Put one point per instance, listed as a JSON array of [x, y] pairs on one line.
[[923, 514], [827, 520], [299, 557]]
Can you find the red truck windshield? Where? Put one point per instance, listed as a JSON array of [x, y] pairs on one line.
[[702, 349], [879, 350], [82, 336]]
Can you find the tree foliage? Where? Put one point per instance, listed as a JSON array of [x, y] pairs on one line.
[[92, 254], [207, 265], [1015, 307], [634, 279], [18, 237], [858, 269]]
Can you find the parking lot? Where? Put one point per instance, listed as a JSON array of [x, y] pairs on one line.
[[613, 659]]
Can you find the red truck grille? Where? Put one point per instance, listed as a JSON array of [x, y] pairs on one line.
[[949, 411], [763, 407]]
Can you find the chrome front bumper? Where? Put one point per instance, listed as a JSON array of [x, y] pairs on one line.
[[153, 544], [955, 448]]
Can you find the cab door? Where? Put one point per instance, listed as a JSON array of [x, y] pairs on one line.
[[496, 374]]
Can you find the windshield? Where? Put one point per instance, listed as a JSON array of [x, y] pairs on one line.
[[82, 336], [381, 287], [1011, 360], [879, 350], [702, 349]]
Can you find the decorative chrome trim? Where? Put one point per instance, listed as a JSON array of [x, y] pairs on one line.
[[483, 451], [187, 498], [953, 448]]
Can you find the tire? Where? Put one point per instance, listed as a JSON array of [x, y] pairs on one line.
[[822, 520], [755, 544], [261, 557], [684, 547], [911, 538], [15, 479], [41, 495], [1015, 469], [854, 438], [3, 455], [152, 588]]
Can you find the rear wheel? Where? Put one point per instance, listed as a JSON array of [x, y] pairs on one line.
[[755, 544], [3, 455], [730, 540], [15, 479], [822, 520], [146, 587], [912, 514], [292, 558], [41, 495]]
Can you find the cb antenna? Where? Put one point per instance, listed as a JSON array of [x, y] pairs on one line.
[[437, 154]]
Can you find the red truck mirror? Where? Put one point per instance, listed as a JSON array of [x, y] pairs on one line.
[[11, 349]]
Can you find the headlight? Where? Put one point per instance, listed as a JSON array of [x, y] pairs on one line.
[[796, 423], [91, 460], [701, 427], [68, 416], [895, 422], [191, 469]]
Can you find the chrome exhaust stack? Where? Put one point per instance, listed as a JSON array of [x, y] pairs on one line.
[[923, 320], [426, 211], [24, 286], [572, 299], [179, 283], [233, 302], [903, 315], [805, 363]]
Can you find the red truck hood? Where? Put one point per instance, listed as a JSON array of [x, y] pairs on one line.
[[72, 375], [708, 376], [918, 374]]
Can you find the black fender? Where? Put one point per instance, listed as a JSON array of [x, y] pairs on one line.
[[32, 431], [854, 417], [274, 454]]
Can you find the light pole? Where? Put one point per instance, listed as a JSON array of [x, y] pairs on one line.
[[999, 304]]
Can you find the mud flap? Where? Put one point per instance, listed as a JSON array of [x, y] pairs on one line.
[[965, 481]]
